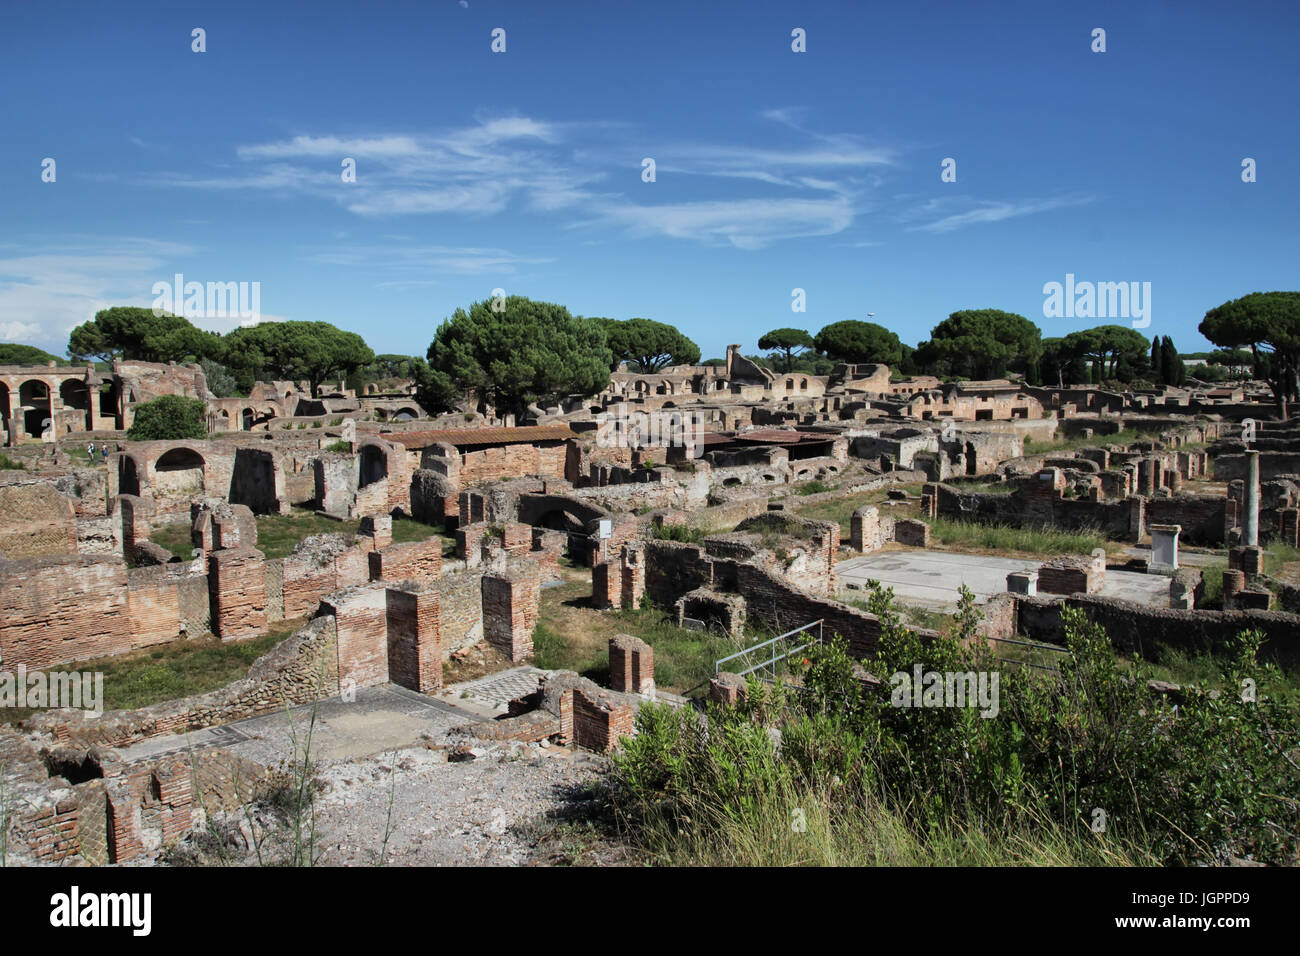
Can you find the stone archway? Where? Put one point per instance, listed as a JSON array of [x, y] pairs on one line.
[[179, 473]]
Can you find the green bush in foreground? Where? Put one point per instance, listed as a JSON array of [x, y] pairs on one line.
[[1087, 765]]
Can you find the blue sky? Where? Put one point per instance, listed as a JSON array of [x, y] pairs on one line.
[[522, 170]]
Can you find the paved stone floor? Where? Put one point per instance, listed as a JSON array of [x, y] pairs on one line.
[[489, 695], [932, 578], [380, 719]]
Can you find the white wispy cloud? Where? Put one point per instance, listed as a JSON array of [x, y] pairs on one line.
[[46, 293], [414, 264], [525, 164], [744, 223], [983, 211]]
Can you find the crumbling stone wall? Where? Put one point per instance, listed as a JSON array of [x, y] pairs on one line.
[[460, 599], [320, 565], [59, 610], [1145, 629], [300, 669], [416, 561], [35, 519]]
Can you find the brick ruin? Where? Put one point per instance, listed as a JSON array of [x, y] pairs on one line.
[[81, 577]]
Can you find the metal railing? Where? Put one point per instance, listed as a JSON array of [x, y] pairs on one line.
[[1036, 646], [771, 645]]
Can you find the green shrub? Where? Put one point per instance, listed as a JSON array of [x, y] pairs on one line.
[[338, 446], [168, 417], [8, 464], [815, 488], [680, 532], [1204, 782]]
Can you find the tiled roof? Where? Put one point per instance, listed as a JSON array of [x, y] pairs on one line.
[[481, 436]]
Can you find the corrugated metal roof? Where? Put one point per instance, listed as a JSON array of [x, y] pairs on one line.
[[482, 436], [781, 436]]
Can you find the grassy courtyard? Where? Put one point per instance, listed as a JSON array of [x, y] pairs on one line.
[[278, 535], [179, 668], [571, 635]]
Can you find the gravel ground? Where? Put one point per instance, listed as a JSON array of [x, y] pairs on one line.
[[489, 811], [501, 807]]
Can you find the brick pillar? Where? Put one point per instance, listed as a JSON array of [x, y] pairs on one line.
[[517, 538], [1247, 559], [135, 514], [1231, 512], [510, 607], [172, 783], [606, 585], [237, 592], [864, 528], [123, 806], [1291, 526], [361, 616], [632, 573], [1147, 476], [727, 688], [469, 543], [631, 665], [414, 639], [380, 529], [1174, 481], [1137, 517], [911, 532]]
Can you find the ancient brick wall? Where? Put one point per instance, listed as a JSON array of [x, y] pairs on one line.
[[510, 609], [1039, 504], [416, 561], [1271, 464], [56, 610], [35, 519], [300, 669], [513, 461], [414, 639], [320, 565], [460, 600], [237, 593], [1203, 517], [780, 607], [361, 616], [335, 483], [672, 569]]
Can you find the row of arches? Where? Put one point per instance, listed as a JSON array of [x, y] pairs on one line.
[[35, 402]]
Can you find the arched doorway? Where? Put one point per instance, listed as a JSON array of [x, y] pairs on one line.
[[34, 397], [179, 473], [373, 465]]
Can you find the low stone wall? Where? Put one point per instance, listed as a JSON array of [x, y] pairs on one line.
[[300, 669], [1144, 629]]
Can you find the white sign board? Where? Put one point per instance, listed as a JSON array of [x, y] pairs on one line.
[[606, 528]]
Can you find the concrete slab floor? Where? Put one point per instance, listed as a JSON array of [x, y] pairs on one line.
[[932, 578], [379, 720]]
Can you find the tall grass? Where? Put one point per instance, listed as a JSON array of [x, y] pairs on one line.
[[1086, 765], [790, 825], [1002, 537]]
